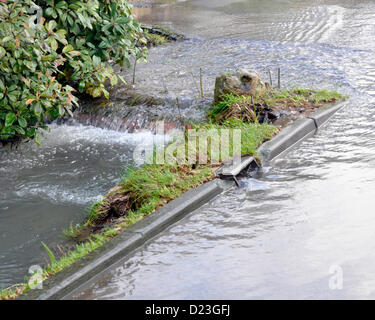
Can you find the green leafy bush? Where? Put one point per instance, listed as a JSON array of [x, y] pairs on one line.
[[29, 91], [97, 31], [42, 62]]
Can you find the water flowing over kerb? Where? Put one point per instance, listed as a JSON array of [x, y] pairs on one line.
[[279, 236], [310, 214], [123, 124]]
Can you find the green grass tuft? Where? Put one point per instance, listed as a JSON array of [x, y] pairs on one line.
[[153, 184], [50, 254], [324, 96], [252, 134], [96, 212]]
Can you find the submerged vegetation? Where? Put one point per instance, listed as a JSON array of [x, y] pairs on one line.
[[249, 108], [156, 39]]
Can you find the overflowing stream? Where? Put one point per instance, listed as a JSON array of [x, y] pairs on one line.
[[45, 189], [279, 235], [304, 228]]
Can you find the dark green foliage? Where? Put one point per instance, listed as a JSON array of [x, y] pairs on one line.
[[29, 90], [42, 61], [97, 31]]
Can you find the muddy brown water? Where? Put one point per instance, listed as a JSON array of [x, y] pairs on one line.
[[306, 224]]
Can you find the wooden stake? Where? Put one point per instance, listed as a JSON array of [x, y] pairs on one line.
[[201, 81], [135, 64], [270, 74]]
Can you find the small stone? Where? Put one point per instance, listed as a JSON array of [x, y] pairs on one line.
[[244, 82]]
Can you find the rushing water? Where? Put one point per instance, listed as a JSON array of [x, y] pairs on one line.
[[44, 189], [310, 214]]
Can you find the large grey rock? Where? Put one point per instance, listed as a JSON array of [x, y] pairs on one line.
[[244, 82]]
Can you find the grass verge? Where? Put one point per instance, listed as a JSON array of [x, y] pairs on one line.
[[248, 109]]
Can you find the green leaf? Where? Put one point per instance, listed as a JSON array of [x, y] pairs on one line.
[[127, 62], [12, 87], [38, 109], [6, 39], [123, 20], [61, 111], [81, 86], [22, 122], [68, 48], [96, 61], [19, 130], [74, 53], [127, 42], [61, 5], [30, 132], [9, 119], [54, 44], [2, 52], [51, 25], [82, 19], [122, 79], [50, 254], [49, 12], [97, 92], [62, 32], [103, 44], [114, 80], [31, 65], [106, 93]]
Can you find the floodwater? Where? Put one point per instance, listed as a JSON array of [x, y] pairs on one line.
[[304, 228], [44, 189]]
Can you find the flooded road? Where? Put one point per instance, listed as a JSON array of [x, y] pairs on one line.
[[306, 224], [343, 22]]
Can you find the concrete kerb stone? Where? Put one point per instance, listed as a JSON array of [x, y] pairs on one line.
[[296, 132], [324, 114], [287, 138]]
